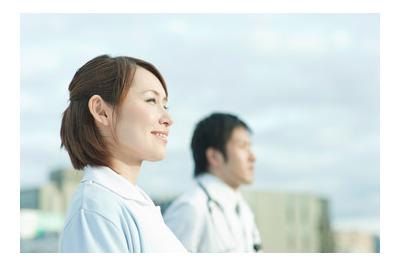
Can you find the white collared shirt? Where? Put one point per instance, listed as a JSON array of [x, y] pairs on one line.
[[212, 224], [109, 214]]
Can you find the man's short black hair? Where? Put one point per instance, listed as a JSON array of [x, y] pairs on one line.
[[213, 131]]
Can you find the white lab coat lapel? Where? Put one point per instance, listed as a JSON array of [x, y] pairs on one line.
[[225, 220]]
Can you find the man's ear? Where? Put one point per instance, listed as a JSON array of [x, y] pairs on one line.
[[214, 157], [100, 110]]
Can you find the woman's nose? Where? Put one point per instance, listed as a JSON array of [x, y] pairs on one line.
[[166, 119]]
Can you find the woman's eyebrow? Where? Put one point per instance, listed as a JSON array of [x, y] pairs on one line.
[[155, 92]]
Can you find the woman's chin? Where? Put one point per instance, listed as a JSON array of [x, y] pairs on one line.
[[156, 157]]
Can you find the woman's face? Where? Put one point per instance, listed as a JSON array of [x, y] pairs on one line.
[[143, 122]]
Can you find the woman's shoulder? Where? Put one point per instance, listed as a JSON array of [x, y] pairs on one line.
[[94, 198]]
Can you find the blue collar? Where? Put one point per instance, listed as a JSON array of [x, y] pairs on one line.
[[116, 183]]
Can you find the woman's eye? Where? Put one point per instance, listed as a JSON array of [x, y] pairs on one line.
[[153, 100]]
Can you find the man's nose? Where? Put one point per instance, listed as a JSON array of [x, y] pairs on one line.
[[252, 156]]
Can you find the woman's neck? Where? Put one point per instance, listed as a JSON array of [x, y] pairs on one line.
[[129, 171]]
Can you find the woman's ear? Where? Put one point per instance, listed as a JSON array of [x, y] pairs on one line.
[[100, 110], [214, 157]]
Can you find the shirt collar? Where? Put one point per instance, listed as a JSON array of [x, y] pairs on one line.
[[220, 191], [118, 184]]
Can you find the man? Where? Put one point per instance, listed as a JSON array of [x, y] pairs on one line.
[[212, 215]]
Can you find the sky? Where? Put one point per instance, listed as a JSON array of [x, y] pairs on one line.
[[307, 85]]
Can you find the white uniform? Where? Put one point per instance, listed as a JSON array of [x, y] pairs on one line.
[[212, 217], [109, 214]]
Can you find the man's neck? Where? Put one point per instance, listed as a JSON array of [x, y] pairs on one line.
[[225, 179]]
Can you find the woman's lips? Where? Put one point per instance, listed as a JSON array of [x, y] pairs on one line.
[[163, 135]]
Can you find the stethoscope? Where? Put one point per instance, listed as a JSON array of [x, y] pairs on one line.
[[211, 201]]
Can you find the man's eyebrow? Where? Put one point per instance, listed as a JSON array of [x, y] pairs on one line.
[[244, 141]]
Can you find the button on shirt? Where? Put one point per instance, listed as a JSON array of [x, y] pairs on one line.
[[218, 222], [109, 214]]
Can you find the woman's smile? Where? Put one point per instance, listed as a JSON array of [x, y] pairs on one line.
[[163, 135]]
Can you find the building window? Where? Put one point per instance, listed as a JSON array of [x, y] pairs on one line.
[[290, 215], [290, 243]]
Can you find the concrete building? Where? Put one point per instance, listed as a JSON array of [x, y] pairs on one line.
[[356, 241], [65, 182], [291, 222], [55, 195], [43, 211], [29, 198]]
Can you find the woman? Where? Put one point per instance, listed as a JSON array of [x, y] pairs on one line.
[[116, 119]]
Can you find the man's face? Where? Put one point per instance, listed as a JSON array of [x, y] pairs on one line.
[[239, 166]]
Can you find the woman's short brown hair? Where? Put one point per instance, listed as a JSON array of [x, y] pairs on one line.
[[110, 78]]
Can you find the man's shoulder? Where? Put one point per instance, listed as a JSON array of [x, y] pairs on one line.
[[192, 199]]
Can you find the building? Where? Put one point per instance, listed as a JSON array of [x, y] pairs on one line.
[[55, 195], [291, 222], [29, 198], [356, 241], [43, 211]]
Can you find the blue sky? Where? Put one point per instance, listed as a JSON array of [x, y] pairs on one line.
[[308, 85]]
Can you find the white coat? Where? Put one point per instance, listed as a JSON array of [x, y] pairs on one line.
[[109, 214], [212, 217]]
